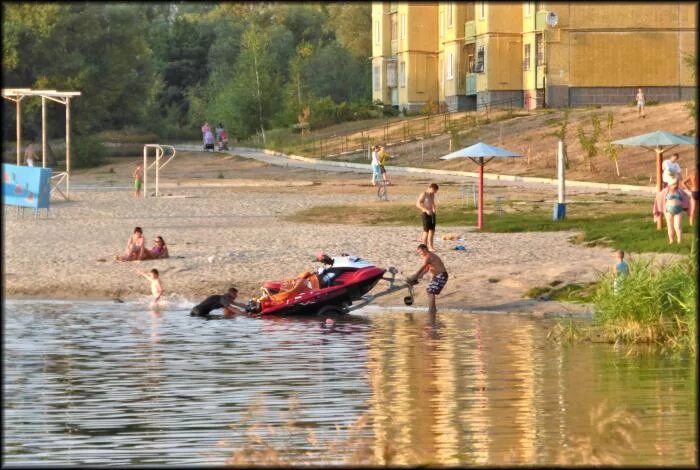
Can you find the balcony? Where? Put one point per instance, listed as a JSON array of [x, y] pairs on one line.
[[391, 75], [470, 31], [471, 84]]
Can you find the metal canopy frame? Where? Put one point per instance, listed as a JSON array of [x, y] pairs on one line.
[[16, 95]]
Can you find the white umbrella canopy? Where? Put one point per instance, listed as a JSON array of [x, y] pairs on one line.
[[481, 153]]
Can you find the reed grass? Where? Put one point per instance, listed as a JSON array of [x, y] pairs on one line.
[[655, 303]]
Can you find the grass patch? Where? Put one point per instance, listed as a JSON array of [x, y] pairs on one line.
[[573, 293], [627, 226]]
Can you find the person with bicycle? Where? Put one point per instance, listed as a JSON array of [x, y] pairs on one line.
[[376, 167], [382, 156]]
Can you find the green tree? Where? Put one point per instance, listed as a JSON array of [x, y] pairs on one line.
[[352, 25], [333, 71], [692, 63], [589, 143], [612, 151]]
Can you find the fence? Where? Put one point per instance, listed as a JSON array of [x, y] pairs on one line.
[[392, 133]]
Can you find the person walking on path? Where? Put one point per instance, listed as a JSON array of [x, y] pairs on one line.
[[427, 204], [640, 102], [434, 265], [376, 167], [671, 202], [138, 180], [382, 156], [690, 184]]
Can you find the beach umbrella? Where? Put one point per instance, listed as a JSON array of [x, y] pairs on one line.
[[659, 142], [481, 154]]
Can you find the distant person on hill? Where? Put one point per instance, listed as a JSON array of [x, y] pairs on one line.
[[671, 202], [376, 168], [620, 270], [428, 206], [690, 183], [138, 180], [640, 102]]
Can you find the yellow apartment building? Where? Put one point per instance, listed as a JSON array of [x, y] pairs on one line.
[[466, 55]]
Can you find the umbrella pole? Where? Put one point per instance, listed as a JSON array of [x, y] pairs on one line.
[[480, 212], [659, 157]]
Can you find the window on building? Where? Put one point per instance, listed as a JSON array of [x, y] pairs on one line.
[[449, 14], [470, 62], [539, 49], [482, 10], [526, 57], [402, 74], [376, 32], [403, 25], [450, 66], [375, 77], [539, 6], [442, 23], [480, 54]]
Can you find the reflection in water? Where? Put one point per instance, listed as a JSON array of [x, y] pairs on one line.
[[98, 383]]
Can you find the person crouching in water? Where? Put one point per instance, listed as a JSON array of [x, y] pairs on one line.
[[213, 302], [433, 264]]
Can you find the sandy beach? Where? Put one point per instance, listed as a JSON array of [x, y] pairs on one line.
[[222, 220]]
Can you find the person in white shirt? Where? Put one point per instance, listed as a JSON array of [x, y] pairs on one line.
[[671, 165]]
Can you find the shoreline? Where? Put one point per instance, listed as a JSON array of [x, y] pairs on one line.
[[231, 231]]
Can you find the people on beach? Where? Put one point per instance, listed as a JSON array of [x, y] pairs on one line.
[[138, 180], [433, 264], [214, 302], [205, 129], [671, 164], [671, 202], [159, 250], [376, 167], [153, 278], [620, 270], [382, 156], [223, 144], [135, 247], [208, 140], [30, 155], [690, 184], [427, 204], [640, 102]]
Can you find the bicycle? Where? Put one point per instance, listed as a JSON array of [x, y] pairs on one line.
[[382, 193]]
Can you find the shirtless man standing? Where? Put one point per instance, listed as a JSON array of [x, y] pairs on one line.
[[690, 183], [428, 207], [433, 264]]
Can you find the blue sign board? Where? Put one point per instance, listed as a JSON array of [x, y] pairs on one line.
[[26, 186]]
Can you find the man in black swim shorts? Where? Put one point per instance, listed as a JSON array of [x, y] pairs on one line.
[[428, 206], [213, 302]]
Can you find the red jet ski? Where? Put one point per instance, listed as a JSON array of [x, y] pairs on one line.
[[331, 289]]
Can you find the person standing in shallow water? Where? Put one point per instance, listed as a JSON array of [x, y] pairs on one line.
[[434, 265]]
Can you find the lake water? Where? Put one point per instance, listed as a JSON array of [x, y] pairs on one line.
[[102, 383]]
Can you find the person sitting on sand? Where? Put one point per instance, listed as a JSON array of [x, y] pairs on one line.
[[159, 250], [213, 302], [135, 247]]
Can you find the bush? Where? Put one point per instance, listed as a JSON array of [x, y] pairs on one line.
[[652, 304], [87, 151]]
